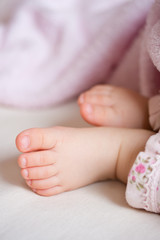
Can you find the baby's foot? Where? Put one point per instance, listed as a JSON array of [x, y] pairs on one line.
[[106, 105], [59, 159]]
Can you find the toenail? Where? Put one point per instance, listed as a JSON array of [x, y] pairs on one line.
[[25, 142], [23, 162], [34, 190], [25, 173], [88, 108], [81, 99]]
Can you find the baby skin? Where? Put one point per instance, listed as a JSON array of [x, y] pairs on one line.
[[59, 159], [106, 105]]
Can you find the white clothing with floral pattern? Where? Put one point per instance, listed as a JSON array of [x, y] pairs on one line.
[[143, 187]]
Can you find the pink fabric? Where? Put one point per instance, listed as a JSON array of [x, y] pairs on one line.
[[141, 63], [143, 187], [51, 51]]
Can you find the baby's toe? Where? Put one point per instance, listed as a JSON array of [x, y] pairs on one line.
[[39, 158], [39, 172], [44, 183], [100, 94], [37, 139], [98, 115], [96, 98], [49, 192]]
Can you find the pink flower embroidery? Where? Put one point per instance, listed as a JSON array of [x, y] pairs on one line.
[[140, 168], [133, 178]]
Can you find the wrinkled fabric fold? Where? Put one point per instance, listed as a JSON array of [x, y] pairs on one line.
[[51, 51]]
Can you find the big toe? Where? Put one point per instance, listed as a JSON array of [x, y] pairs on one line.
[[37, 139], [99, 115]]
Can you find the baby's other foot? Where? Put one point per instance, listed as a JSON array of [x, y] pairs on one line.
[[106, 105], [58, 159]]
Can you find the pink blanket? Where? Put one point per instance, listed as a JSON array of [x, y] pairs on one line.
[[51, 51]]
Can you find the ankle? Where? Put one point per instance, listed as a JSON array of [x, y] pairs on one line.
[[132, 142]]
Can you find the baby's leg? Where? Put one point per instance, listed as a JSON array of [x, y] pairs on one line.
[[60, 159], [106, 105]]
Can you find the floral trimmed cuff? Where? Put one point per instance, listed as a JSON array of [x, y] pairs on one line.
[[143, 186]]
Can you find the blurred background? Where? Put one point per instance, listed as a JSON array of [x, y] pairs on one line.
[[6, 7]]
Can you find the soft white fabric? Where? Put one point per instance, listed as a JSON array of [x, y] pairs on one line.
[[51, 51]]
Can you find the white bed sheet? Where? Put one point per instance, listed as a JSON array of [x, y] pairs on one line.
[[96, 212]]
